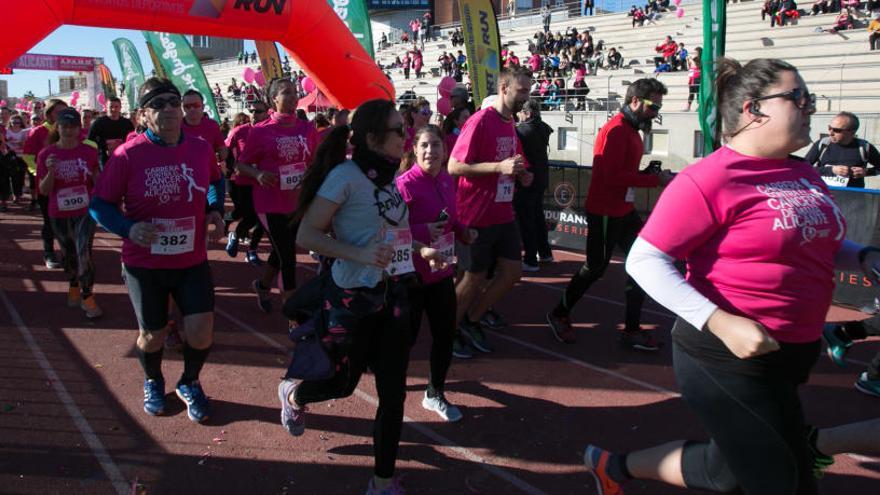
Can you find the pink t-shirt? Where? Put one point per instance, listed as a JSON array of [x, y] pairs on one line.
[[75, 171], [759, 237], [235, 142], [485, 137], [165, 185], [285, 151], [208, 129], [131, 135]]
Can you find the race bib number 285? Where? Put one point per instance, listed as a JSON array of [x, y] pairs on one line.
[[401, 259]]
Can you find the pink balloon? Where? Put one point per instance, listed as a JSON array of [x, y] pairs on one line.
[[73, 102], [445, 86], [308, 85], [444, 105], [75, 94], [248, 75], [2, 103], [679, 13], [101, 98], [259, 78]]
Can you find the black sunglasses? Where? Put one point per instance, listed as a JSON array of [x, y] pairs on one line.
[[798, 96], [399, 130], [838, 130], [158, 103]]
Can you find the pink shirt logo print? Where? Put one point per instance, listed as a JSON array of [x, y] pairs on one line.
[[165, 183], [290, 147], [505, 147], [191, 182], [802, 205]]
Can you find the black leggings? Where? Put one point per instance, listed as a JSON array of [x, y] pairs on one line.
[[46, 233], [603, 235], [283, 237], [365, 332], [243, 199], [756, 423], [436, 300], [75, 237]]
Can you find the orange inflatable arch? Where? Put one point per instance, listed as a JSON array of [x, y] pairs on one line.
[[309, 30]]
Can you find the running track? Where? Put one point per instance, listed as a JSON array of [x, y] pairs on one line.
[[71, 418]]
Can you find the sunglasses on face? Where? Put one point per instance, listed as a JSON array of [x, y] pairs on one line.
[[798, 96], [838, 130], [192, 106], [399, 130], [159, 103], [651, 105]]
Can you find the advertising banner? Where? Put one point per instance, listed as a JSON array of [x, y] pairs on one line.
[[37, 61], [132, 70], [182, 67], [480, 30]]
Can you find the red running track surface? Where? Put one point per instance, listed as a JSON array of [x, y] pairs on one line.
[[71, 418]]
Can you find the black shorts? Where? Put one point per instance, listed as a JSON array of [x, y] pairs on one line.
[[192, 289], [493, 242]]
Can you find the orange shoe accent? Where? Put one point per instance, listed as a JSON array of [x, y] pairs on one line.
[[604, 483], [74, 295], [91, 308]]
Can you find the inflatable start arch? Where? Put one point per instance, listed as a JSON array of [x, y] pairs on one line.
[[309, 30]]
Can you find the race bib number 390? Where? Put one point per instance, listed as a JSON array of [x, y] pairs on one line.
[[175, 236], [291, 175], [401, 259], [73, 198], [504, 193]]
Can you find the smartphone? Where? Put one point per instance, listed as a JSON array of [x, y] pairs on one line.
[[654, 167], [444, 215]]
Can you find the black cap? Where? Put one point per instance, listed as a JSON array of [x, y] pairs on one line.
[[68, 116]]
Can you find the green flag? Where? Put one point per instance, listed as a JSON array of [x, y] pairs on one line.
[[354, 14], [182, 67], [714, 27], [132, 70]]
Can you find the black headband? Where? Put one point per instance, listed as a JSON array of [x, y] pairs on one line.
[[162, 88]]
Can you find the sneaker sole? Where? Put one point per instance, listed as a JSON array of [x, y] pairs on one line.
[[151, 413], [188, 414], [282, 397], [866, 391]]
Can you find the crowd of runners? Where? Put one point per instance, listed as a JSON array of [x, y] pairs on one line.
[[409, 219]]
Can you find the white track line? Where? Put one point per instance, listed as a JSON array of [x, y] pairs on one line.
[[424, 430], [111, 470]]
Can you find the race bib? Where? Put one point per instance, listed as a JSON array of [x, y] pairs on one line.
[[176, 236], [291, 175], [630, 195], [504, 193], [73, 198], [836, 181], [401, 260], [446, 245]]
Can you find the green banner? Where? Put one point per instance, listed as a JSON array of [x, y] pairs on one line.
[[483, 43], [132, 70], [714, 29], [182, 67], [354, 14], [157, 66]]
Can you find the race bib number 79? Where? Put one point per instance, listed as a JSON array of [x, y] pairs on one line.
[[176, 236]]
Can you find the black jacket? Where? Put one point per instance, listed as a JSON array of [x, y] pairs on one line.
[[535, 138]]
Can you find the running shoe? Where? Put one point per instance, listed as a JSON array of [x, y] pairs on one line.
[[493, 320], [461, 349], [821, 462], [198, 408], [74, 296], [52, 262], [154, 397], [641, 340], [253, 258], [293, 420], [264, 296], [232, 245], [545, 259], [442, 407], [561, 327], [529, 267], [90, 306], [473, 333], [867, 385], [395, 488], [596, 461], [838, 343]]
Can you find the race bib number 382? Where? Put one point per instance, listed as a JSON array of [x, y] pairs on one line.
[[175, 236]]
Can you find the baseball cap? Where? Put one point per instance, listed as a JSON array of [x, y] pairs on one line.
[[68, 116]]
